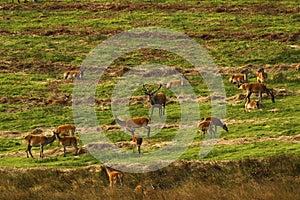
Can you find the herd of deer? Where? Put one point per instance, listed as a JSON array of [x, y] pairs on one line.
[[65, 134]]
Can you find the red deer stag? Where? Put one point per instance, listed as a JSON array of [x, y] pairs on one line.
[[239, 78], [67, 141], [37, 141], [262, 76], [133, 123], [257, 88], [156, 100]]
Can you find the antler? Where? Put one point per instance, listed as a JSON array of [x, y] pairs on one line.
[[157, 89]]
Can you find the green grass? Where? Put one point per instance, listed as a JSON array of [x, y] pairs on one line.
[[38, 43]]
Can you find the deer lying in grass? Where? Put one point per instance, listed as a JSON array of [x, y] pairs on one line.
[[37, 141], [67, 141], [257, 88], [114, 176], [65, 101], [239, 78], [75, 74], [262, 76], [251, 105], [147, 193], [66, 130], [138, 140], [133, 123], [157, 100], [175, 83]]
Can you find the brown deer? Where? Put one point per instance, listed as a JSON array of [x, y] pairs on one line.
[[251, 105], [216, 122], [175, 83], [142, 192], [66, 130], [262, 76], [138, 140], [75, 74], [133, 123], [254, 87], [239, 78], [156, 100], [63, 102], [114, 176], [205, 126], [67, 141], [37, 141]]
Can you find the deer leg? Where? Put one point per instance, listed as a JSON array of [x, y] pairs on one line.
[[41, 151], [76, 150], [248, 95], [260, 96], [64, 151], [148, 128], [152, 108]]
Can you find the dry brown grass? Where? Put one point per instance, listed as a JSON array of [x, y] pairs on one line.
[[272, 178]]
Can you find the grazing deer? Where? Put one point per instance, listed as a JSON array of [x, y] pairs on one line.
[[114, 176], [175, 83], [67, 141], [239, 78], [138, 140], [204, 126], [66, 130], [251, 105], [261, 76], [156, 100], [216, 122], [75, 74], [37, 141], [257, 88], [132, 123]]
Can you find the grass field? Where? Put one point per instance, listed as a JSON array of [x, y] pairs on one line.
[[40, 41]]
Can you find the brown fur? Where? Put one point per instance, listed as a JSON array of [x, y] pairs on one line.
[[73, 75], [175, 83], [239, 78], [251, 105], [216, 122], [256, 88], [67, 141], [114, 176], [157, 100], [262, 76], [204, 126], [132, 123], [66, 130], [37, 140], [138, 141]]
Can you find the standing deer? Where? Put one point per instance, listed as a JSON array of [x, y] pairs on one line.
[[114, 176], [156, 100], [216, 122], [257, 88], [138, 140], [67, 141], [239, 78], [37, 141], [262, 76], [132, 123], [66, 130]]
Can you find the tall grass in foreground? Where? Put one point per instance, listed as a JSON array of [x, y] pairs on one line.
[[271, 178]]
